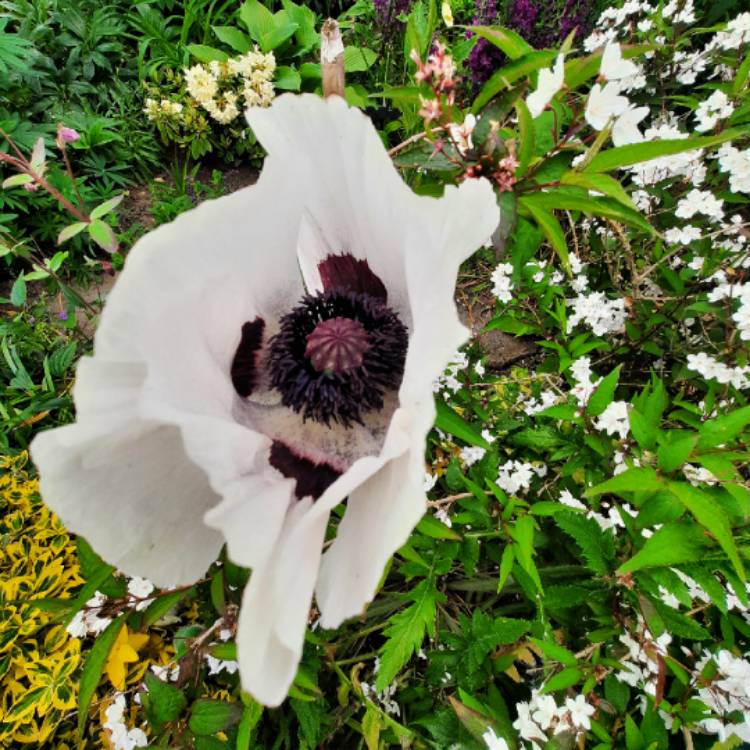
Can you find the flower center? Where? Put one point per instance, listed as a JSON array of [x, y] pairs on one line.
[[336, 355], [337, 345]]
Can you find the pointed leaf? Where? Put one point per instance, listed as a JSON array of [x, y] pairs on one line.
[[107, 206], [103, 234]]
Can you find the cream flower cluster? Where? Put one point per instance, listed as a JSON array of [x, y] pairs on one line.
[[541, 716], [218, 86], [599, 313], [163, 108]]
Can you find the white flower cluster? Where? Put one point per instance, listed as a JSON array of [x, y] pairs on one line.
[[688, 164], [502, 284], [585, 385], [682, 235], [737, 163], [120, 737], [216, 665], [493, 742], [700, 202], [736, 33], [533, 405], [89, 620], [728, 693], [599, 313], [516, 476], [163, 108], [385, 699], [711, 369], [709, 112], [449, 379], [218, 86], [471, 454], [541, 717], [641, 665], [612, 520]]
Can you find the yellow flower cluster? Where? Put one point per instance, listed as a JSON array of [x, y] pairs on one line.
[[164, 107], [218, 86], [38, 658]]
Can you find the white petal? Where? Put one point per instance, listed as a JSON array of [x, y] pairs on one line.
[[275, 607], [133, 494], [356, 201], [383, 510]]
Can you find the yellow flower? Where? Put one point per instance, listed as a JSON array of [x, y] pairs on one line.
[[124, 651], [447, 13]]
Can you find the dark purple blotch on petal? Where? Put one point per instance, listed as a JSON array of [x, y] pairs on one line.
[[312, 479], [244, 369], [346, 273]]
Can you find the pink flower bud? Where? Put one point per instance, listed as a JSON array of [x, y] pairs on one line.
[[68, 135]]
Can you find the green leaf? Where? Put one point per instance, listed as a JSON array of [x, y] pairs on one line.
[[18, 292], [165, 702], [449, 421], [601, 183], [513, 44], [257, 19], [161, 605], [625, 156], [17, 180], [721, 430], [233, 37], [430, 526], [712, 516], [596, 546], [93, 668], [209, 716], [60, 360], [107, 206], [407, 629], [277, 36], [287, 78], [636, 479], [251, 715], [672, 544], [675, 447], [509, 74], [617, 693], [358, 59], [525, 137], [555, 652], [550, 226], [103, 234], [604, 394], [561, 199], [204, 53], [565, 679]]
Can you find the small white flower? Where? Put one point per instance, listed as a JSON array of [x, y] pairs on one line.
[[603, 104], [461, 134], [550, 82], [614, 419], [471, 454], [625, 129], [614, 66], [580, 711], [494, 742], [502, 282]]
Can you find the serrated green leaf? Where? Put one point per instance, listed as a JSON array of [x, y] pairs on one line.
[[165, 702], [61, 359], [597, 547], [672, 544], [636, 479], [407, 629], [711, 516], [675, 447], [358, 59], [208, 716], [721, 430]]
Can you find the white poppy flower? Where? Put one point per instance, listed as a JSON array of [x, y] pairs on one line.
[[603, 104], [550, 82], [261, 359], [625, 130], [614, 66]]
